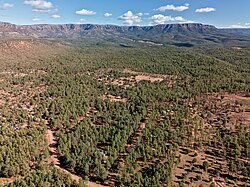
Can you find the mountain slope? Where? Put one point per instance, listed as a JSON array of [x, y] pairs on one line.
[[240, 31], [22, 50], [183, 34], [66, 30]]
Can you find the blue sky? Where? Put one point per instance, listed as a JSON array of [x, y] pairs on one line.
[[221, 13]]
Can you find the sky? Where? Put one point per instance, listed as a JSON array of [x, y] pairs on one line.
[[221, 13]]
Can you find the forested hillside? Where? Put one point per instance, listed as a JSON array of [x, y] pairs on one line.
[[107, 115], [182, 34]]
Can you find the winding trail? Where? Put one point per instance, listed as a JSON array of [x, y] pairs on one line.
[[52, 148], [54, 159]]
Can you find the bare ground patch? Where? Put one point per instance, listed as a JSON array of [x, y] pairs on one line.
[[19, 94], [190, 169], [131, 78], [4, 181], [219, 112], [114, 98]]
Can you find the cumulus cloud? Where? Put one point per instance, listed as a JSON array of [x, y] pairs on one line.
[[85, 12], [161, 19], [55, 16], [107, 14], [39, 4], [6, 6], [207, 9], [173, 8], [129, 18]]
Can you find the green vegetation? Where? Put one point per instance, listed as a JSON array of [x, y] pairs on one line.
[[46, 176], [132, 143]]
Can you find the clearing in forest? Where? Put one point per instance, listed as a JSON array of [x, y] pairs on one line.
[[140, 76], [114, 98], [191, 169], [5, 181], [243, 100], [131, 78], [220, 113]]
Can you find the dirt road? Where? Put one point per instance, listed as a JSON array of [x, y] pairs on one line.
[[54, 159]]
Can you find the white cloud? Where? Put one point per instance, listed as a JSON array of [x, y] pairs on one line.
[[238, 26], [179, 18], [161, 19], [129, 18], [6, 6], [107, 14], [187, 21], [174, 8], [142, 14], [208, 9], [85, 12], [39, 4], [36, 19], [41, 11], [50, 11], [55, 16]]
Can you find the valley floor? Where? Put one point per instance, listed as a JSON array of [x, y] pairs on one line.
[[111, 116]]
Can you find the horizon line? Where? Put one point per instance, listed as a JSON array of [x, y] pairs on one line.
[[194, 23]]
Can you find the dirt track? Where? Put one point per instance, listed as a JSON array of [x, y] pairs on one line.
[[54, 159]]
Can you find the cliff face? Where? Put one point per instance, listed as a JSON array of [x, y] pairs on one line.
[[188, 34], [76, 31]]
